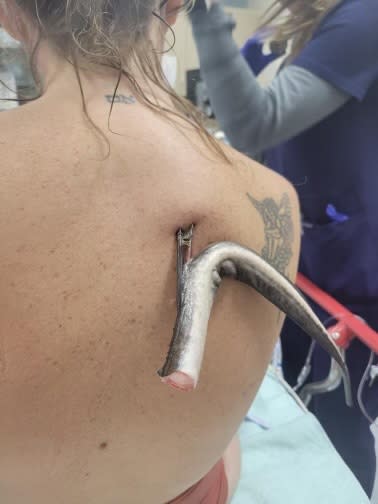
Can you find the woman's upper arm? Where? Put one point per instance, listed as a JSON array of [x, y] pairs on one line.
[[258, 209], [275, 215]]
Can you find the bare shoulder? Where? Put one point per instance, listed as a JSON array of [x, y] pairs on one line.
[[264, 180], [258, 208]]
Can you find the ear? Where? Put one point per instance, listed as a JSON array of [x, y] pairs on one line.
[[172, 9]]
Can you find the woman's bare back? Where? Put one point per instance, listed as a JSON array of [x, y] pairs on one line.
[[88, 304]]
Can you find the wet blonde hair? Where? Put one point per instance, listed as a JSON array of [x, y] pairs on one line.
[[114, 34], [296, 21]]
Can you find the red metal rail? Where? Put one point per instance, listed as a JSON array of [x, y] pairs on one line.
[[361, 330]]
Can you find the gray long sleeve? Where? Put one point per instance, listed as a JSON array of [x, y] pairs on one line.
[[256, 118]]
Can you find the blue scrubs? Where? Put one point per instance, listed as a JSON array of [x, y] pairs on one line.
[[334, 167], [255, 57]]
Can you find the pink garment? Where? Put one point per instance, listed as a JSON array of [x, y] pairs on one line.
[[211, 489]]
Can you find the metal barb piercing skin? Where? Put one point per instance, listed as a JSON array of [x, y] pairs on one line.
[[198, 282]]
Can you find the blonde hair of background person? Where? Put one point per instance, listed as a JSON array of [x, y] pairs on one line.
[[296, 21], [90, 202]]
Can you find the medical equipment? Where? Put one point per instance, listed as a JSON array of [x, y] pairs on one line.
[[348, 327]]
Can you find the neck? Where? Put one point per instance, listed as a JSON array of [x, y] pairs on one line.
[[58, 76]]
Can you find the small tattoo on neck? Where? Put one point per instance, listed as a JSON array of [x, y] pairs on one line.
[[120, 98]]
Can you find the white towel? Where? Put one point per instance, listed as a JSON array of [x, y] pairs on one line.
[[286, 456]]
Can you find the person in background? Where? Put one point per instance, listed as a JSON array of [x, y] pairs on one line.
[[316, 124]]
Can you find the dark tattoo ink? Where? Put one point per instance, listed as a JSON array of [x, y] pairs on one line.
[[279, 231], [120, 98]]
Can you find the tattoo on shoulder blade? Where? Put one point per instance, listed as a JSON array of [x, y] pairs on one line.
[[120, 98], [279, 230]]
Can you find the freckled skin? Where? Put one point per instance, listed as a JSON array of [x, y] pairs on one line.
[[88, 303]]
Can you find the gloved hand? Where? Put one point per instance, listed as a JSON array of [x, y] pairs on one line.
[[212, 17]]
